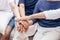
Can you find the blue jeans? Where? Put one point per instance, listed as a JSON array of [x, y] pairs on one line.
[[12, 22]]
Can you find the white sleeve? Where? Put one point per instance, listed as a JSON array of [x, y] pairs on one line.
[[52, 14]]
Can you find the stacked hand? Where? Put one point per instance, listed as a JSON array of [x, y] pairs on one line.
[[22, 26]]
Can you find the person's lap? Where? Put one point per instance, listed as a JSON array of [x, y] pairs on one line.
[[47, 34]]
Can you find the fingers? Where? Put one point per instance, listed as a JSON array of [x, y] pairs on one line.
[[23, 26], [20, 28]]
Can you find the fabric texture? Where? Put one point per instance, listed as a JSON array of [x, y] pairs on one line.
[[47, 33], [52, 14]]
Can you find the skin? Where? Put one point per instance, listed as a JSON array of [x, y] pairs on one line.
[[35, 16], [38, 16], [1, 35], [22, 14], [22, 26]]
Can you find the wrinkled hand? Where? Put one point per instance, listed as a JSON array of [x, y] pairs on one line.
[[22, 26]]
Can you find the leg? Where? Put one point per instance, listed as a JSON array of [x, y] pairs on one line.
[[47, 35], [5, 20], [51, 36], [8, 29], [10, 26], [38, 36], [7, 33]]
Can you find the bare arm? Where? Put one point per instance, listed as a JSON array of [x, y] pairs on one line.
[[15, 9], [50, 14], [38, 16], [34, 16], [22, 9]]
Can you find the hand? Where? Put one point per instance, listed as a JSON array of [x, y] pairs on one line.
[[23, 26], [20, 28]]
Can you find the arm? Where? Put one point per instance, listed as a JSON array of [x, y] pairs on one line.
[[22, 9], [37, 16], [34, 16], [50, 14], [15, 9]]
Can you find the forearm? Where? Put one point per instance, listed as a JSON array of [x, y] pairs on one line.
[[22, 10], [37, 16], [50, 14], [15, 9]]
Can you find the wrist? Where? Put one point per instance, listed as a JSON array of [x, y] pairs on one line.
[[30, 22], [29, 17], [23, 16]]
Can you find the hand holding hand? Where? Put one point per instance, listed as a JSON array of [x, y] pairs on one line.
[[22, 26]]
